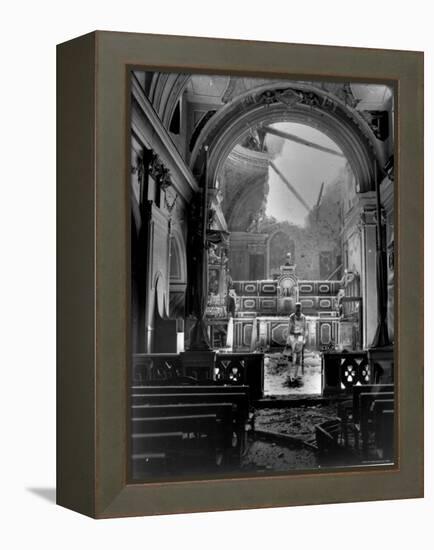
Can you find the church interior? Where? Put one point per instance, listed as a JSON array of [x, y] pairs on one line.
[[251, 198]]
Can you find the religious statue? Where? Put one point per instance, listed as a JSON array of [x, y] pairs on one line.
[[213, 257], [288, 259], [338, 301], [256, 221], [231, 303]]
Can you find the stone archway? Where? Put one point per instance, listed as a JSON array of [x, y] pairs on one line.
[[298, 102]]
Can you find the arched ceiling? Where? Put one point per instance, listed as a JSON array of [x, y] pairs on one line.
[[165, 90], [243, 104], [301, 103]]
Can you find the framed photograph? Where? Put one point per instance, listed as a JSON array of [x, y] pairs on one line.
[[240, 274]]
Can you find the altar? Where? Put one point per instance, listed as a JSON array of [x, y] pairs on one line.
[[333, 311]]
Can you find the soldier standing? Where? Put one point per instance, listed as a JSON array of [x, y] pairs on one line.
[[296, 338]]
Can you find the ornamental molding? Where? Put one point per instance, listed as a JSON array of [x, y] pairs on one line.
[[151, 134], [299, 102]]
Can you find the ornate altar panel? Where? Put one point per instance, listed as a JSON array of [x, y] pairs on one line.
[[268, 288], [264, 306], [243, 334]]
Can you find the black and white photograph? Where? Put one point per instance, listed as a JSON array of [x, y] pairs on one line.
[[262, 275], [216, 235]]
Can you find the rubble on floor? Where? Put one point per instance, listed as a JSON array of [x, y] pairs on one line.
[[298, 422], [269, 456], [277, 375]]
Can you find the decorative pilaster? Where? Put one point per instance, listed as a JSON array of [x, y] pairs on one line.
[[369, 274]]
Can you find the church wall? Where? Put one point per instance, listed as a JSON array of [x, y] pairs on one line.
[[307, 247], [244, 248], [244, 187], [162, 214], [306, 252]]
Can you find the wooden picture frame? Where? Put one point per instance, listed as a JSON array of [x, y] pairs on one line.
[[93, 271]]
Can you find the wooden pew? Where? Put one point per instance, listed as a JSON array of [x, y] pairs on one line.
[[366, 401], [239, 395], [156, 442], [357, 412], [223, 413], [223, 410], [212, 416], [187, 423], [238, 399], [190, 389], [367, 388], [183, 448], [239, 403], [180, 443], [188, 419], [199, 427]]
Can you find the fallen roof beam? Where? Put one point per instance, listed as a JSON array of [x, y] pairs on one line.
[[320, 195], [289, 186], [301, 141]]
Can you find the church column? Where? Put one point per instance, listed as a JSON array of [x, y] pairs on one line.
[[380, 354], [375, 338], [198, 361], [369, 274], [381, 338], [387, 199], [149, 301]]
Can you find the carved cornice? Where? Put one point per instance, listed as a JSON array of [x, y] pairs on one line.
[[139, 167], [292, 95], [368, 218], [151, 133], [300, 102], [159, 172]]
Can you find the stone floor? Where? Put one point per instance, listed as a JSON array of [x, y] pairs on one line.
[[277, 371], [268, 456], [283, 439]]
